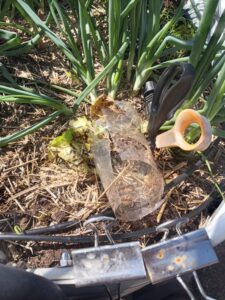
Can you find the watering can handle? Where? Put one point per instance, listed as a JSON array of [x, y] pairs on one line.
[[168, 96]]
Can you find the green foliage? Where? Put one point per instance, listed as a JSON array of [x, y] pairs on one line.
[[9, 39], [184, 29], [137, 37], [62, 140], [209, 61], [8, 8], [61, 146]]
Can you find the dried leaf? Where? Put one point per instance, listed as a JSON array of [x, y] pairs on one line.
[[144, 126], [101, 102], [80, 126]]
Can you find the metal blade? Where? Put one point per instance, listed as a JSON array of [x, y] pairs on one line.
[[108, 264], [187, 252]]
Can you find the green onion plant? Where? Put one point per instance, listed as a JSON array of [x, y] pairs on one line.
[[208, 57], [128, 44]]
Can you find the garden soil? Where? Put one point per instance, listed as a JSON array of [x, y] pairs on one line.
[[36, 191]]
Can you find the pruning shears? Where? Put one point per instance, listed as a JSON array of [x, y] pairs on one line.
[[163, 99]]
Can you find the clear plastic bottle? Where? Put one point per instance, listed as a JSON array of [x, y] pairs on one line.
[[124, 162]]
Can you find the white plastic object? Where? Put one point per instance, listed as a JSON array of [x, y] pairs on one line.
[[175, 136], [215, 227]]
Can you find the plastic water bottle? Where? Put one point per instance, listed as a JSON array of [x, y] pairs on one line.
[[124, 162]]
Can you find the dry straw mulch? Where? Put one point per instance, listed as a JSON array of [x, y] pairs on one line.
[[36, 192]]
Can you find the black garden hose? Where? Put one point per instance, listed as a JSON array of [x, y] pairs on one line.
[[64, 226], [79, 239]]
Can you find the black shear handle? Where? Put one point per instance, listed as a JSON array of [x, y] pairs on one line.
[[168, 97]]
